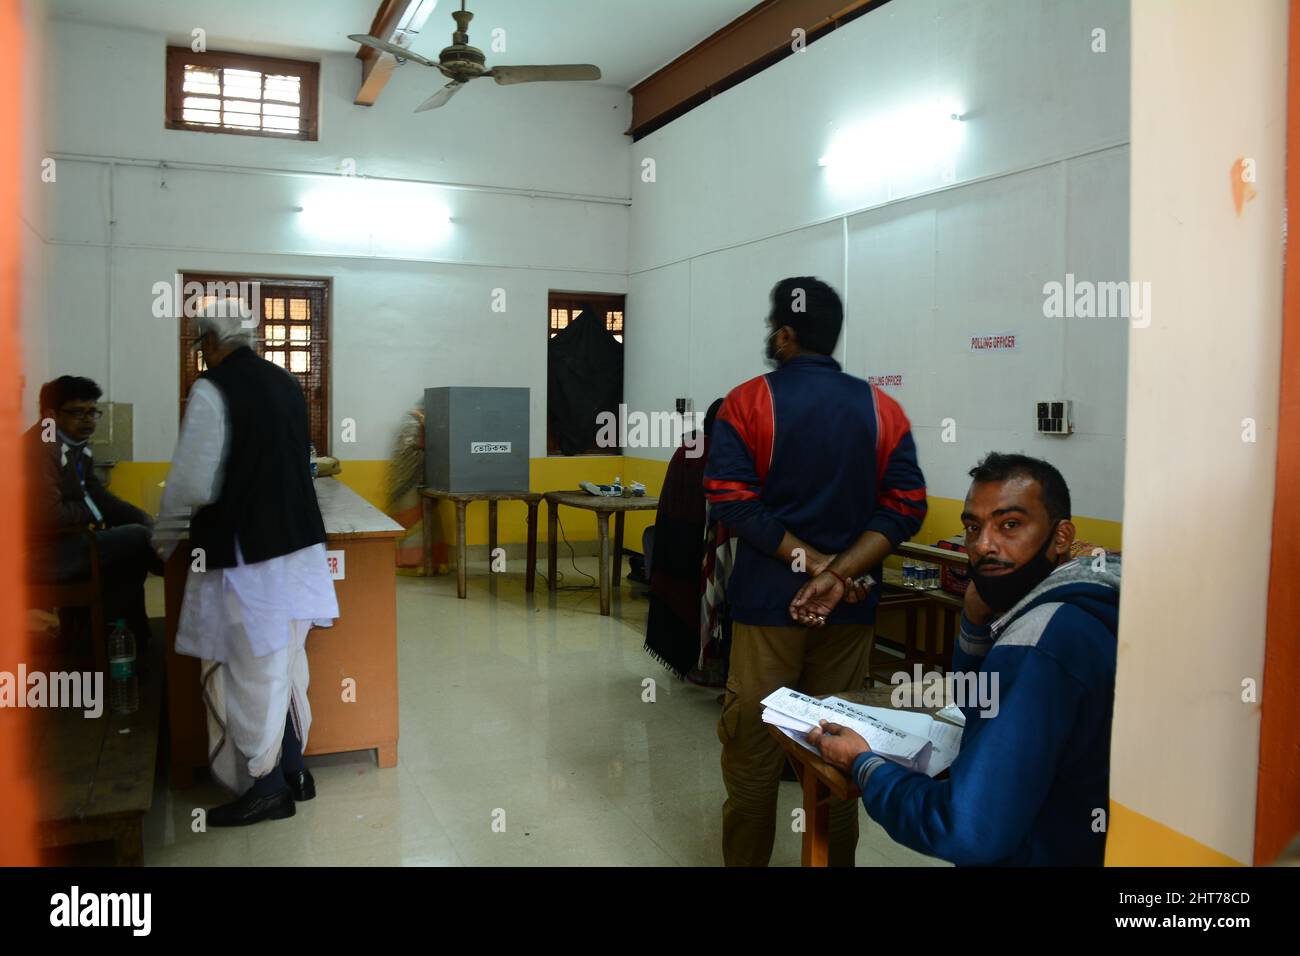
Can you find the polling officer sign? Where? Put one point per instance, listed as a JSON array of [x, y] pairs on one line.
[[993, 342]]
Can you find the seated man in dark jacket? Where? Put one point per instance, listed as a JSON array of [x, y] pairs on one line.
[[1030, 786], [64, 494]]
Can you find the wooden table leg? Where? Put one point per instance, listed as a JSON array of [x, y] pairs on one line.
[[551, 535], [816, 832], [948, 635], [182, 773], [909, 639], [492, 533], [618, 547], [931, 635], [426, 525], [602, 525], [128, 843], [530, 569], [460, 549]]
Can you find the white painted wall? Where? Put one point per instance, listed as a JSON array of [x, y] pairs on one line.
[[33, 228], [108, 84], [412, 308], [1198, 528], [1037, 188]]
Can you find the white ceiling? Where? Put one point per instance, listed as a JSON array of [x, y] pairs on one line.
[[627, 39]]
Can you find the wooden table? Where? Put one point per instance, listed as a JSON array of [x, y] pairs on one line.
[[942, 611], [603, 507], [462, 500], [820, 781], [361, 646]]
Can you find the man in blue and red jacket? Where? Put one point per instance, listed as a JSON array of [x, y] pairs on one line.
[[805, 463]]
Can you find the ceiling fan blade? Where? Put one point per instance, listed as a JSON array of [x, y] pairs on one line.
[[384, 46], [441, 97], [506, 75]]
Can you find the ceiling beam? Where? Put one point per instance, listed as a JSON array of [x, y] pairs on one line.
[[396, 21], [747, 45]]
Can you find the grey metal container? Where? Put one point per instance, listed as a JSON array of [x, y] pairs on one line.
[[476, 439]]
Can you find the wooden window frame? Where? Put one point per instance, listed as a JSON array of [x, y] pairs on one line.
[[187, 336], [178, 57]]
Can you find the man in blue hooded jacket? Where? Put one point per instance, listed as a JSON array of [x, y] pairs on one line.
[[1030, 784]]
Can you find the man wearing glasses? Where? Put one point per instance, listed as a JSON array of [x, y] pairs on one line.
[[64, 494]]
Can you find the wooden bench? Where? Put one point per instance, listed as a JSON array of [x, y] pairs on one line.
[[96, 775]]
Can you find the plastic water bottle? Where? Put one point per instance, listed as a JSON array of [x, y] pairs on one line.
[[124, 684], [618, 487], [312, 459], [932, 577], [909, 574]]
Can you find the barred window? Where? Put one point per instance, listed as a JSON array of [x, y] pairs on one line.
[[292, 331], [237, 93], [565, 307]]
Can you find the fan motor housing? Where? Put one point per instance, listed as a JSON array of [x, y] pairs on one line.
[[466, 60]]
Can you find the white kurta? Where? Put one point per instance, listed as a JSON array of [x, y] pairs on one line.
[[249, 623]]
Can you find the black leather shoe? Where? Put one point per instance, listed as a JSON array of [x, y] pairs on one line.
[[302, 785], [250, 809]]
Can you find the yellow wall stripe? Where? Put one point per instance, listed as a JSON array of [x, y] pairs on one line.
[[138, 482], [1134, 839]]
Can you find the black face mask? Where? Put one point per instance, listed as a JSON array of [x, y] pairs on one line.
[[1002, 592]]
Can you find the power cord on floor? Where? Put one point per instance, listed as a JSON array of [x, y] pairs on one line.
[[573, 559]]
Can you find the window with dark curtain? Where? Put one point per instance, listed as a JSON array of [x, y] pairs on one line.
[[582, 377]]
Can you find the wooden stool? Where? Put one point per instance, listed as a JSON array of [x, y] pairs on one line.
[[462, 500]]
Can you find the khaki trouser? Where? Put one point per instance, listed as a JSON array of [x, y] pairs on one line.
[[816, 661]]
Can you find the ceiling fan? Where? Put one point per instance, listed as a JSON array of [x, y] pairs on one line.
[[461, 63]]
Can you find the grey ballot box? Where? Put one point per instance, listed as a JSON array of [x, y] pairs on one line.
[[476, 439]]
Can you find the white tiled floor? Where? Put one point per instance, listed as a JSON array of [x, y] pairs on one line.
[[523, 706]]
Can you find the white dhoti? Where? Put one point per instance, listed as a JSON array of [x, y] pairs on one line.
[[249, 699], [249, 626]]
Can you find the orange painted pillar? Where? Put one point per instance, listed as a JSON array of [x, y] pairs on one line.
[[1277, 804], [17, 802]]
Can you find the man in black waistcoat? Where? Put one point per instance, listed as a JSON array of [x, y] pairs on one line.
[[258, 581]]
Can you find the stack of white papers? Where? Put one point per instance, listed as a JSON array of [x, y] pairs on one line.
[[915, 741], [953, 712]]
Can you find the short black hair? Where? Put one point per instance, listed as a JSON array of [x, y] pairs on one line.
[[68, 388], [810, 307], [997, 466]]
